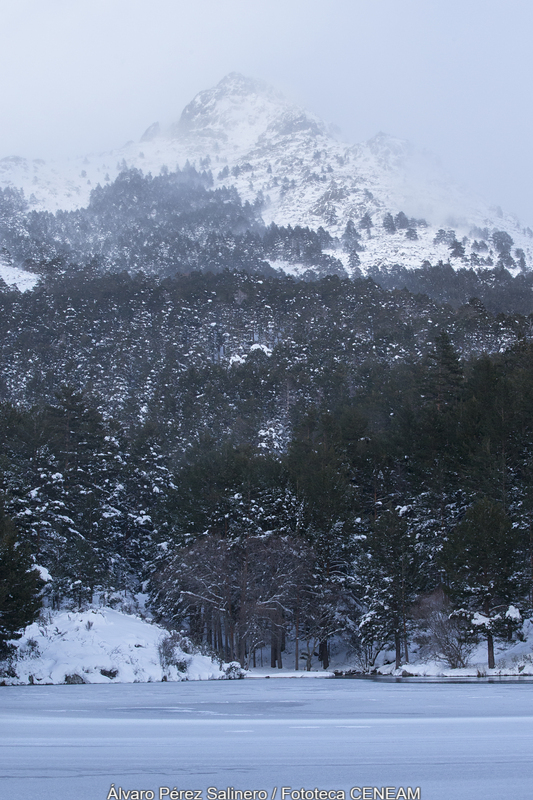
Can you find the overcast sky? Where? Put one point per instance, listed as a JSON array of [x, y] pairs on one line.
[[452, 76]]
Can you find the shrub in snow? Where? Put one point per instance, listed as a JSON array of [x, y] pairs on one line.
[[172, 652], [445, 635], [30, 649], [522, 663], [109, 673], [74, 679], [234, 671], [367, 641], [451, 638]]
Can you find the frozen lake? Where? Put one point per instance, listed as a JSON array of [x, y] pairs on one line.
[[466, 741]]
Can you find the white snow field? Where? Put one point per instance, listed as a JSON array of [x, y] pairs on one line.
[[461, 741], [101, 645], [21, 279]]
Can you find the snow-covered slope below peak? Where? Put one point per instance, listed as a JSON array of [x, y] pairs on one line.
[[250, 137], [219, 127], [21, 279]]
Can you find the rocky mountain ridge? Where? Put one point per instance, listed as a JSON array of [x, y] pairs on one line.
[[403, 207]]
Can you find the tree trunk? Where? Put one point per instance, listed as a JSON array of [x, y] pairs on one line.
[[398, 646], [490, 650], [296, 632], [220, 643], [209, 627], [242, 652], [531, 564], [273, 647], [323, 654]]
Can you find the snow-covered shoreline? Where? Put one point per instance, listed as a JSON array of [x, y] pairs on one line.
[[519, 669], [102, 645]]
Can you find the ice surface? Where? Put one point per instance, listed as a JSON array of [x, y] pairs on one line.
[[455, 741]]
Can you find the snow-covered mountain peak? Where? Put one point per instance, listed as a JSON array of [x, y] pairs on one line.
[[252, 138], [236, 113], [234, 87]]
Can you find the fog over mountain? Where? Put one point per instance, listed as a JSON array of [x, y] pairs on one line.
[[383, 202], [451, 78]]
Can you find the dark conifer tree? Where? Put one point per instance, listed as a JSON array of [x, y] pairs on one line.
[[388, 223], [445, 373], [401, 221], [481, 561], [20, 585], [457, 249], [389, 578], [366, 223]]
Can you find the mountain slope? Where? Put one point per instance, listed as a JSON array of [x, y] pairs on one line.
[[253, 139]]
